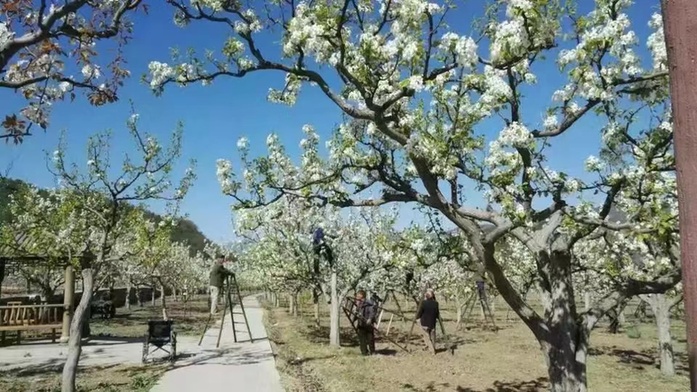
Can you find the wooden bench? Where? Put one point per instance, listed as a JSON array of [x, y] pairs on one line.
[[19, 318]]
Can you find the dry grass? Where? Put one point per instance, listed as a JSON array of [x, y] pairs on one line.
[[189, 319], [93, 379], [509, 360]]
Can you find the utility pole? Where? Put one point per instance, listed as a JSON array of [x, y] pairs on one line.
[[680, 27]]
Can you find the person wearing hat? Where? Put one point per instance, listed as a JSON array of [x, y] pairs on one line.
[[428, 314], [217, 277]]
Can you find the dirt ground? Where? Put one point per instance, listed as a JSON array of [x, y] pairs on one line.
[[93, 379], [483, 361], [190, 318]]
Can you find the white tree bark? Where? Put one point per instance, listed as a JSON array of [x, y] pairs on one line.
[[317, 312], [296, 304], [163, 302], [292, 307], [152, 295], [459, 304], [75, 340], [660, 307], [128, 294], [334, 322]]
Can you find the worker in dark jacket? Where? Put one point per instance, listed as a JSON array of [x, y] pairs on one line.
[[217, 278], [428, 314], [365, 319]]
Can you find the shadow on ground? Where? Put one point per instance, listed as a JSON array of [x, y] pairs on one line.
[[537, 385], [45, 367], [224, 356], [320, 335], [641, 359]]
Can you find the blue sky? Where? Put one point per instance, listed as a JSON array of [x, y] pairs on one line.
[[216, 116]]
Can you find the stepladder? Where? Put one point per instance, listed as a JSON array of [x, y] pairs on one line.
[[353, 315], [232, 298], [479, 295]]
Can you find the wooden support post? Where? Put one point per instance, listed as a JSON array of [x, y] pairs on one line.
[[68, 302], [680, 21], [379, 318], [389, 325]]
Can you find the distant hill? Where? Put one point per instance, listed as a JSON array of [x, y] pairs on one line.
[[186, 231]]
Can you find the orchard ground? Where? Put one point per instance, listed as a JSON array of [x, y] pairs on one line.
[[127, 326], [483, 361]]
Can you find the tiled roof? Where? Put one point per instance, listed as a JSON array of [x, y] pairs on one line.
[[14, 250]]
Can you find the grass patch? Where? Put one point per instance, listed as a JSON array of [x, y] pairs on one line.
[[92, 379], [189, 319], [509, 360], [294, 377]]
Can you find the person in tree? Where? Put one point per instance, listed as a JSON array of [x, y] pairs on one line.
[[217, 278], [428, 314], [365, 320]]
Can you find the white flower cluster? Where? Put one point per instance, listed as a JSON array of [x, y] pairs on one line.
[[657, 43], [464, 48], [224, 174], [6, 35], [501, 161]]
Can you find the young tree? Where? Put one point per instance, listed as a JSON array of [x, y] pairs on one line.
[[30, 232], [101, 196], [153, 251], [282, 233], [613, 257], [420, 99]]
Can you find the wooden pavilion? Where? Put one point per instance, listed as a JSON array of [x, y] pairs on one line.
[[18, 317]]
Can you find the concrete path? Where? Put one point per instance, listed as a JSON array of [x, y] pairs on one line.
[[44, 355], [234, 366]]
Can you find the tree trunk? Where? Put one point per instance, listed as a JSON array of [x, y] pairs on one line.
[[458, 305], [660, 306], [296, 302], [334, 338], [139, 295], [566, 361], [152, 295], [587, 301], [566, 344], [2, 274], [47, 292], [562, 335], [291, 304], [315, 301], [163, 303], [317, 312], [76, 329], [128, 294]]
